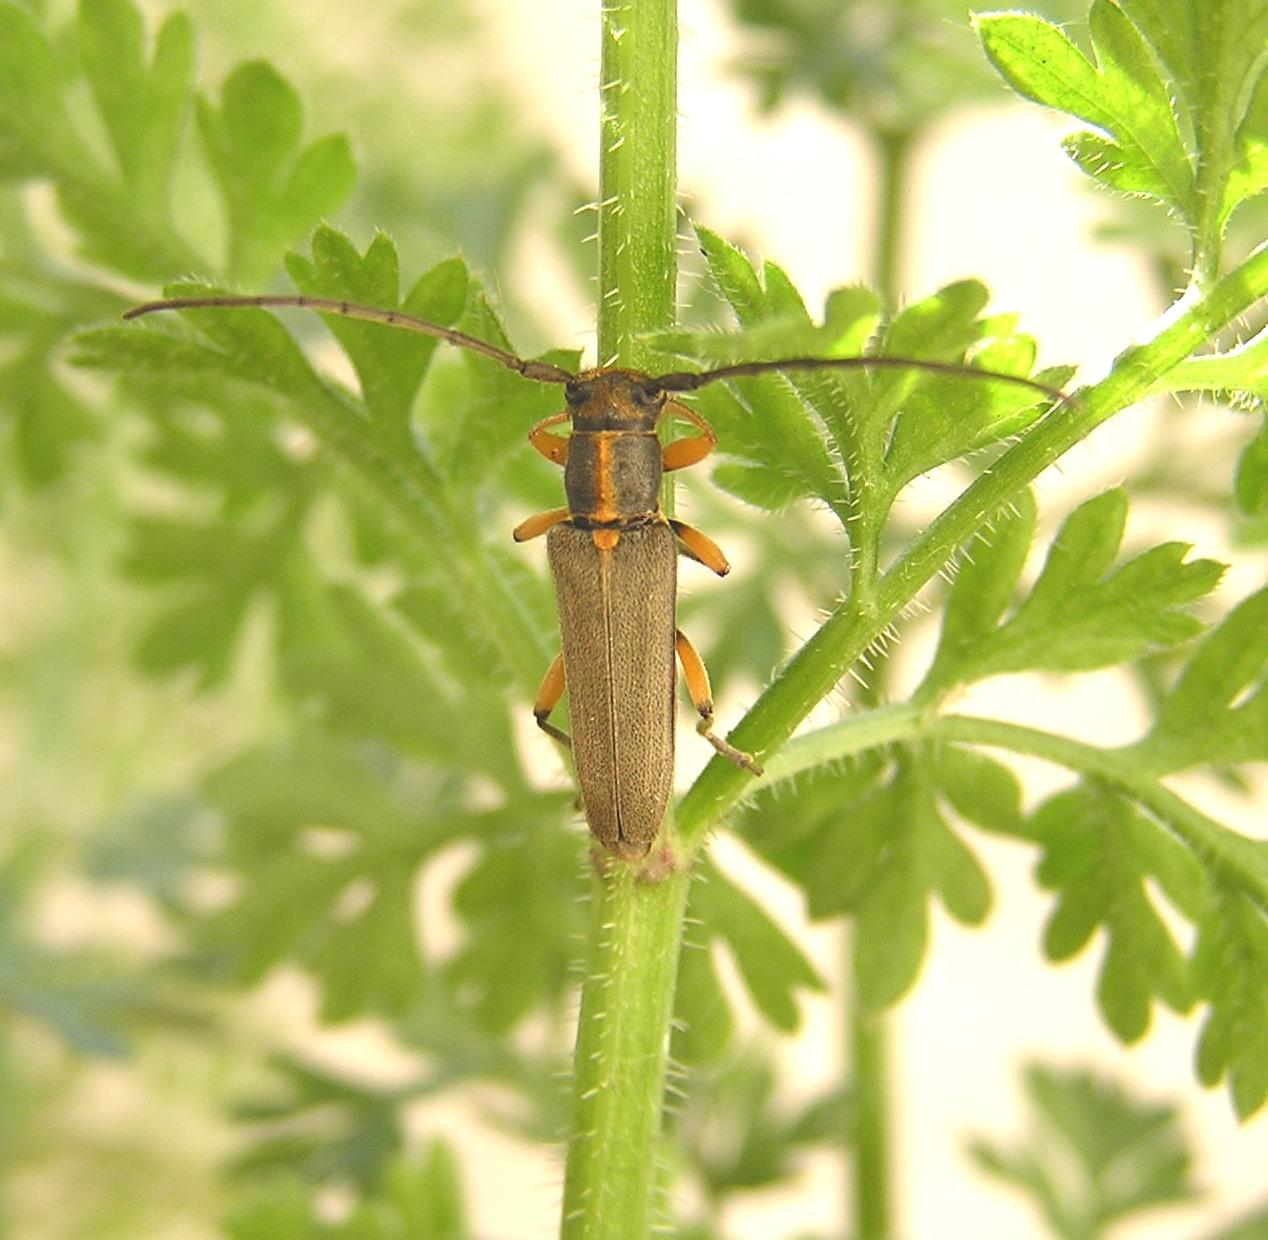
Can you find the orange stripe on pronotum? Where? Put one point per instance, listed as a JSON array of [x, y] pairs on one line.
[[613, 554]]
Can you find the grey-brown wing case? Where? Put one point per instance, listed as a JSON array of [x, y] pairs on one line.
[[616, 616]]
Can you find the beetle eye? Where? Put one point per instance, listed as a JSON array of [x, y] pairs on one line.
[[574, 391], [649, 395]]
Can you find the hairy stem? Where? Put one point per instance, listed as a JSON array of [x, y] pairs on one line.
[[829, 654], [636, 928], [1235, 856], [622, 1043]]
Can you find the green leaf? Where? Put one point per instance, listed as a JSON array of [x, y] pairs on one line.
[[1095, 1155], [275, 191], [1251, 485], [979, 789], [736, 1134], [246, 344], [280, 1212], [142, 106], [327, 855], [1122, 95], [363, 675], [36, 136], [322, 1126], [1230, 965], [703, 1024], [1249, 175], [1098, 852], [1212, 54], [1218, 708], [519, 904], [878, 851], [985, 580], [428, 1198], [772, 966], [1082, 612], [766, 424], [390, 363]]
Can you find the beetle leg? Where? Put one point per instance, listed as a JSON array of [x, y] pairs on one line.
[[697, 679], [536, 525], [548, 695], [684, 452], [701, 547], [552, 447]]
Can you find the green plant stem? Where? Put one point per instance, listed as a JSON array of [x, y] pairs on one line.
[[893, 152], [869, 1047], [1235, 856], [638, 90], [828, 655], [622, 1046], [636, 927], [866, 1142]]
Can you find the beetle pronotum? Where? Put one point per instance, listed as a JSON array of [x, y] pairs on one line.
[[613, 554]]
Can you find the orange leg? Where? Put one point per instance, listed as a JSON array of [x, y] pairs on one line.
[[684, 452], [702, 697], [701, 547], [552, 447], [536, 525], [548, 695]]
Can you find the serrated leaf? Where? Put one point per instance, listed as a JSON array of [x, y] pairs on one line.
[[1081, 613], [1218, 709], [275, 192], [1230, 965], [390, 363], [916, 855], [1121, 94], [772, 966], [142, 105], [769, 428], [1212, 52], [1249, 174], [35, 130], [986, 577], [1098, 852], [476, 424], [519, 904], [1095, 1154], [327, 858]]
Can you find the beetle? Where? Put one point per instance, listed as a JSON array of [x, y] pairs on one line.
[[613, 554]]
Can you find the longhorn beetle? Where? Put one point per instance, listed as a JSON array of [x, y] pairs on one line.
[[613, 553]]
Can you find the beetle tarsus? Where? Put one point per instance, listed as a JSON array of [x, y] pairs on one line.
[[725, 748]]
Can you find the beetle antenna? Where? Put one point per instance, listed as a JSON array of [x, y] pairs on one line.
[[689, 381], [542, 372]]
